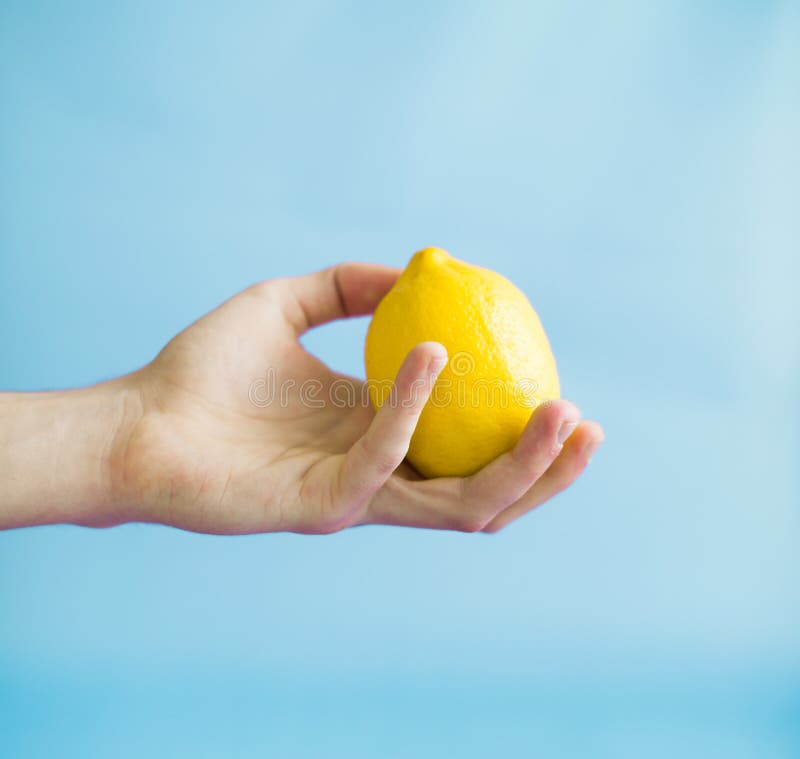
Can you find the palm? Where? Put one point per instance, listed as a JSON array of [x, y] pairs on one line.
[[245, 431]]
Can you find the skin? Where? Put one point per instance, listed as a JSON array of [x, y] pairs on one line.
[[191, 441]]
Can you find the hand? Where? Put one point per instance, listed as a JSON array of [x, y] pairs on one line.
[[198, 449], [206, 455]]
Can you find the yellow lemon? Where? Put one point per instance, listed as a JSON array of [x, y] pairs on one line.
[[500, 364]]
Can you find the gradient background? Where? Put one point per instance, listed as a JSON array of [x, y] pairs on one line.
[[634, 168]]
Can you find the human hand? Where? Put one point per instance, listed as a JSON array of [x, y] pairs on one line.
[[206, 455], [194, 447]]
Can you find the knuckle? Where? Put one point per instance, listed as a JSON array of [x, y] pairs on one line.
[[470, 522], [533, 466], [265, 289], [493, 527], [482, 502], [334, 519], [330, 527], [384, 462], [410, 407]]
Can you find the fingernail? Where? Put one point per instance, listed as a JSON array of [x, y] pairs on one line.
[[591, 449], [437, 363], [565, 431]]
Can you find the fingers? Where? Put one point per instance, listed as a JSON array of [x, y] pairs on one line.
[[503, 490], [382, 448], [572, 460], [510, 476], [471, 503], [348, 289]]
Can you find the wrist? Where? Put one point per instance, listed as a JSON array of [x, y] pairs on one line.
[[116, 407], [57, 451]]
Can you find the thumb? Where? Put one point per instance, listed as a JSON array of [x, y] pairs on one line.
[[348, 289]]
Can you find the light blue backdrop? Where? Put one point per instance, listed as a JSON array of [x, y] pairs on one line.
[[633, 166]]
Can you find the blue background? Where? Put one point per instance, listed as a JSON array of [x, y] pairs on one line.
[[634, 168]]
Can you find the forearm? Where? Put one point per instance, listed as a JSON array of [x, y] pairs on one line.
[[56, 450]]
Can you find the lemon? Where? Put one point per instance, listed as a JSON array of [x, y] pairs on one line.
[[500, 363]]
